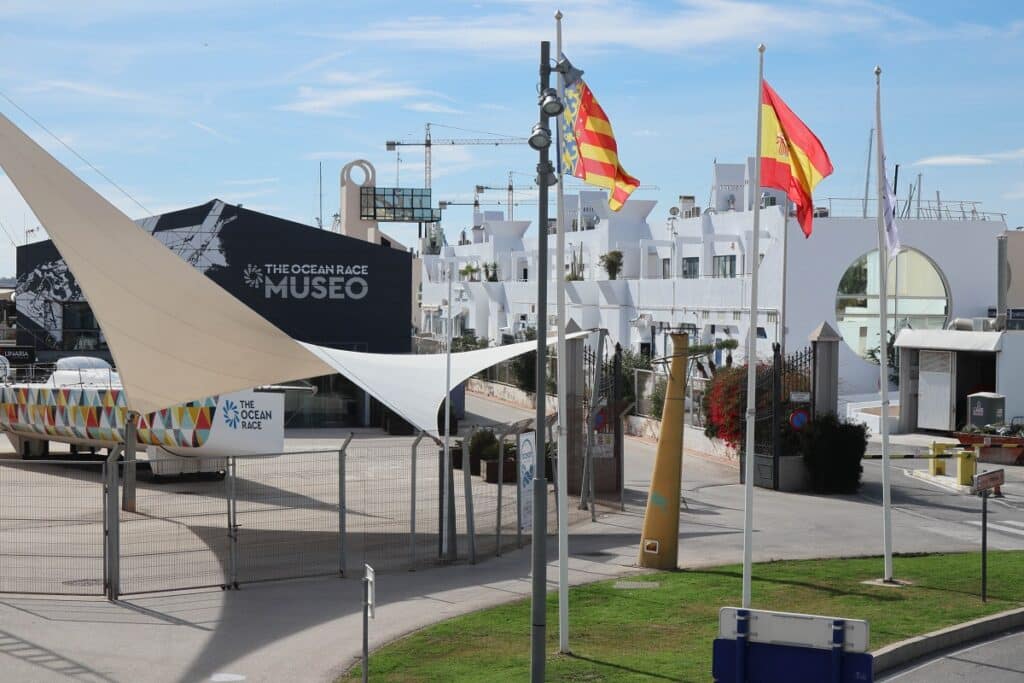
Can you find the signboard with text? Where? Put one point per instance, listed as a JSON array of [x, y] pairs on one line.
[[527, 472]]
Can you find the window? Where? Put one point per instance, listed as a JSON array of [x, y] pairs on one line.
[[80, 330], [917, 295], [724, 266], [691, 267], [666, 268]]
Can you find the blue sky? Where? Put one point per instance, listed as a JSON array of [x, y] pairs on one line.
[[182, 101]]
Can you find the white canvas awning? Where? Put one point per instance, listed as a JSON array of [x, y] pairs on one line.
[[414, 385], [176, 335], [950, 340]]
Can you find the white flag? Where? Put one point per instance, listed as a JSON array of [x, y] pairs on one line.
[[892, 235]]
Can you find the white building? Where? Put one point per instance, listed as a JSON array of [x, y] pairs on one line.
[[692, 270]]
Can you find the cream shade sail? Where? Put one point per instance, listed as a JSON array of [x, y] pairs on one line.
[[177, 336], [414, 385]]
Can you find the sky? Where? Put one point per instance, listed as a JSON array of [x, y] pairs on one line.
[[166, 104]]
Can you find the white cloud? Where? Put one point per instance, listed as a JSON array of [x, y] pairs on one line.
[[971, 159], [87, 89], [212, 131], [328, 154], [1015, 193], [645, 133], [252, 181], [327, 100], [431, 108], [690, 25], [954, 160]]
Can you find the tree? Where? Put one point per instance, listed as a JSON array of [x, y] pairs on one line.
[[612, 263]]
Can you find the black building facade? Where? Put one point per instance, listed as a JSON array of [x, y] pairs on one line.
[[317, 286]]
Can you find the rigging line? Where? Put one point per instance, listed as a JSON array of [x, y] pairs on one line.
[[4, 228], [79, 156], [471, 130]]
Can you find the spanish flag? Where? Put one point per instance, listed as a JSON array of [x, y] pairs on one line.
[[792, 157], [589, 151]]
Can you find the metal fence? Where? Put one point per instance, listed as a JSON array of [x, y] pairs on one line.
[[291, 515], [52, 527]]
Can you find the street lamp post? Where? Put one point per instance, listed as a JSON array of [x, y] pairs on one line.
[[540, 140]]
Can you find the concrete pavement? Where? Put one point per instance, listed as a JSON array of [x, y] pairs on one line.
[[310, 629]]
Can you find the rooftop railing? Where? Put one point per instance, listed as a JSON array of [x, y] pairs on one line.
[[925, 209]]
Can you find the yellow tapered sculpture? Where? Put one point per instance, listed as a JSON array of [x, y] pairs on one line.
[[659, 544]]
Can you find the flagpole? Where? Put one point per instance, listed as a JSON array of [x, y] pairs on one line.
[[748, 492], [560, 379], [883, 331]]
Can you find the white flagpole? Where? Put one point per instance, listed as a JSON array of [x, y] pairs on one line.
[[560, 379], [755, 258], [883, 331]]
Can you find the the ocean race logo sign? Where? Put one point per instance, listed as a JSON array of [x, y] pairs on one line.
[[308, 280], [243, 414]]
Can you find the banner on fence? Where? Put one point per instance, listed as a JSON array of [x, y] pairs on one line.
[[603, 445], [527, 468]]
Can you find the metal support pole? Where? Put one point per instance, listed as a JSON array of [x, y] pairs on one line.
[[540, 484], [984, 545], [501, 482], [130, 441], [232, 523], [755, 260], [113, 514], [366, 630], [467, 488], [883, 337], [412, 505], [519, 498], [342, 507]]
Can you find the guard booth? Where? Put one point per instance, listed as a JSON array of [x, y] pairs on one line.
[[939, 369]]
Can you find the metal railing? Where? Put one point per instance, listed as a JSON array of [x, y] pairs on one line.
[[925, 209], [289, 515]]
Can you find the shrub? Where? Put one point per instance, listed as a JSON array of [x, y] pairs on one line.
[[658, 396], [832, 450], [612, 263]]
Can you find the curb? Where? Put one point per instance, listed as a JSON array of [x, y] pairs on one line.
[[899, 654]]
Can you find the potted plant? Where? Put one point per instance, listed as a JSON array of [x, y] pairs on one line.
[[489, 464], [482, 442], [612, 263]]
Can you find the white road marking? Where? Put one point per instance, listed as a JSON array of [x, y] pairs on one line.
[[999, 527], [227, 678]]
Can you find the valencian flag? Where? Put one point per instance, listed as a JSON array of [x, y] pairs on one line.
[[589, 151], [792, 158]]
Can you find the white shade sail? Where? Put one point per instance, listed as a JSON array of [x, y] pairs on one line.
[[176, 335], [414, 385]]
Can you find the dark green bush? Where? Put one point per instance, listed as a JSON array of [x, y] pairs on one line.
[[833, 449], [481, 440]]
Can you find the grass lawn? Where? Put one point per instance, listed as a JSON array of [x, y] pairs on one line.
[[665, 633]]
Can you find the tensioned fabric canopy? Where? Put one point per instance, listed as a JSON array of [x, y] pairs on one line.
[[176, 335]]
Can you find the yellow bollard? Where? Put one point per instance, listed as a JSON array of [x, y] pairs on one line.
[[966, 464], [937, 466], [659, 543]]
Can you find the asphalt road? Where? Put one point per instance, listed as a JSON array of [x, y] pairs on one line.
[[1000, 660]]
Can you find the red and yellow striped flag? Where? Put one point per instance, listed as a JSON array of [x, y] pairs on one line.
[[792, 158], [589, 151]]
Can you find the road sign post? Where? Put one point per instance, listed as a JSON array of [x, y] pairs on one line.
[[982, 484]]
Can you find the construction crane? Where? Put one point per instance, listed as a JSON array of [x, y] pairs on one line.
[[428, 142], [510, 188]]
